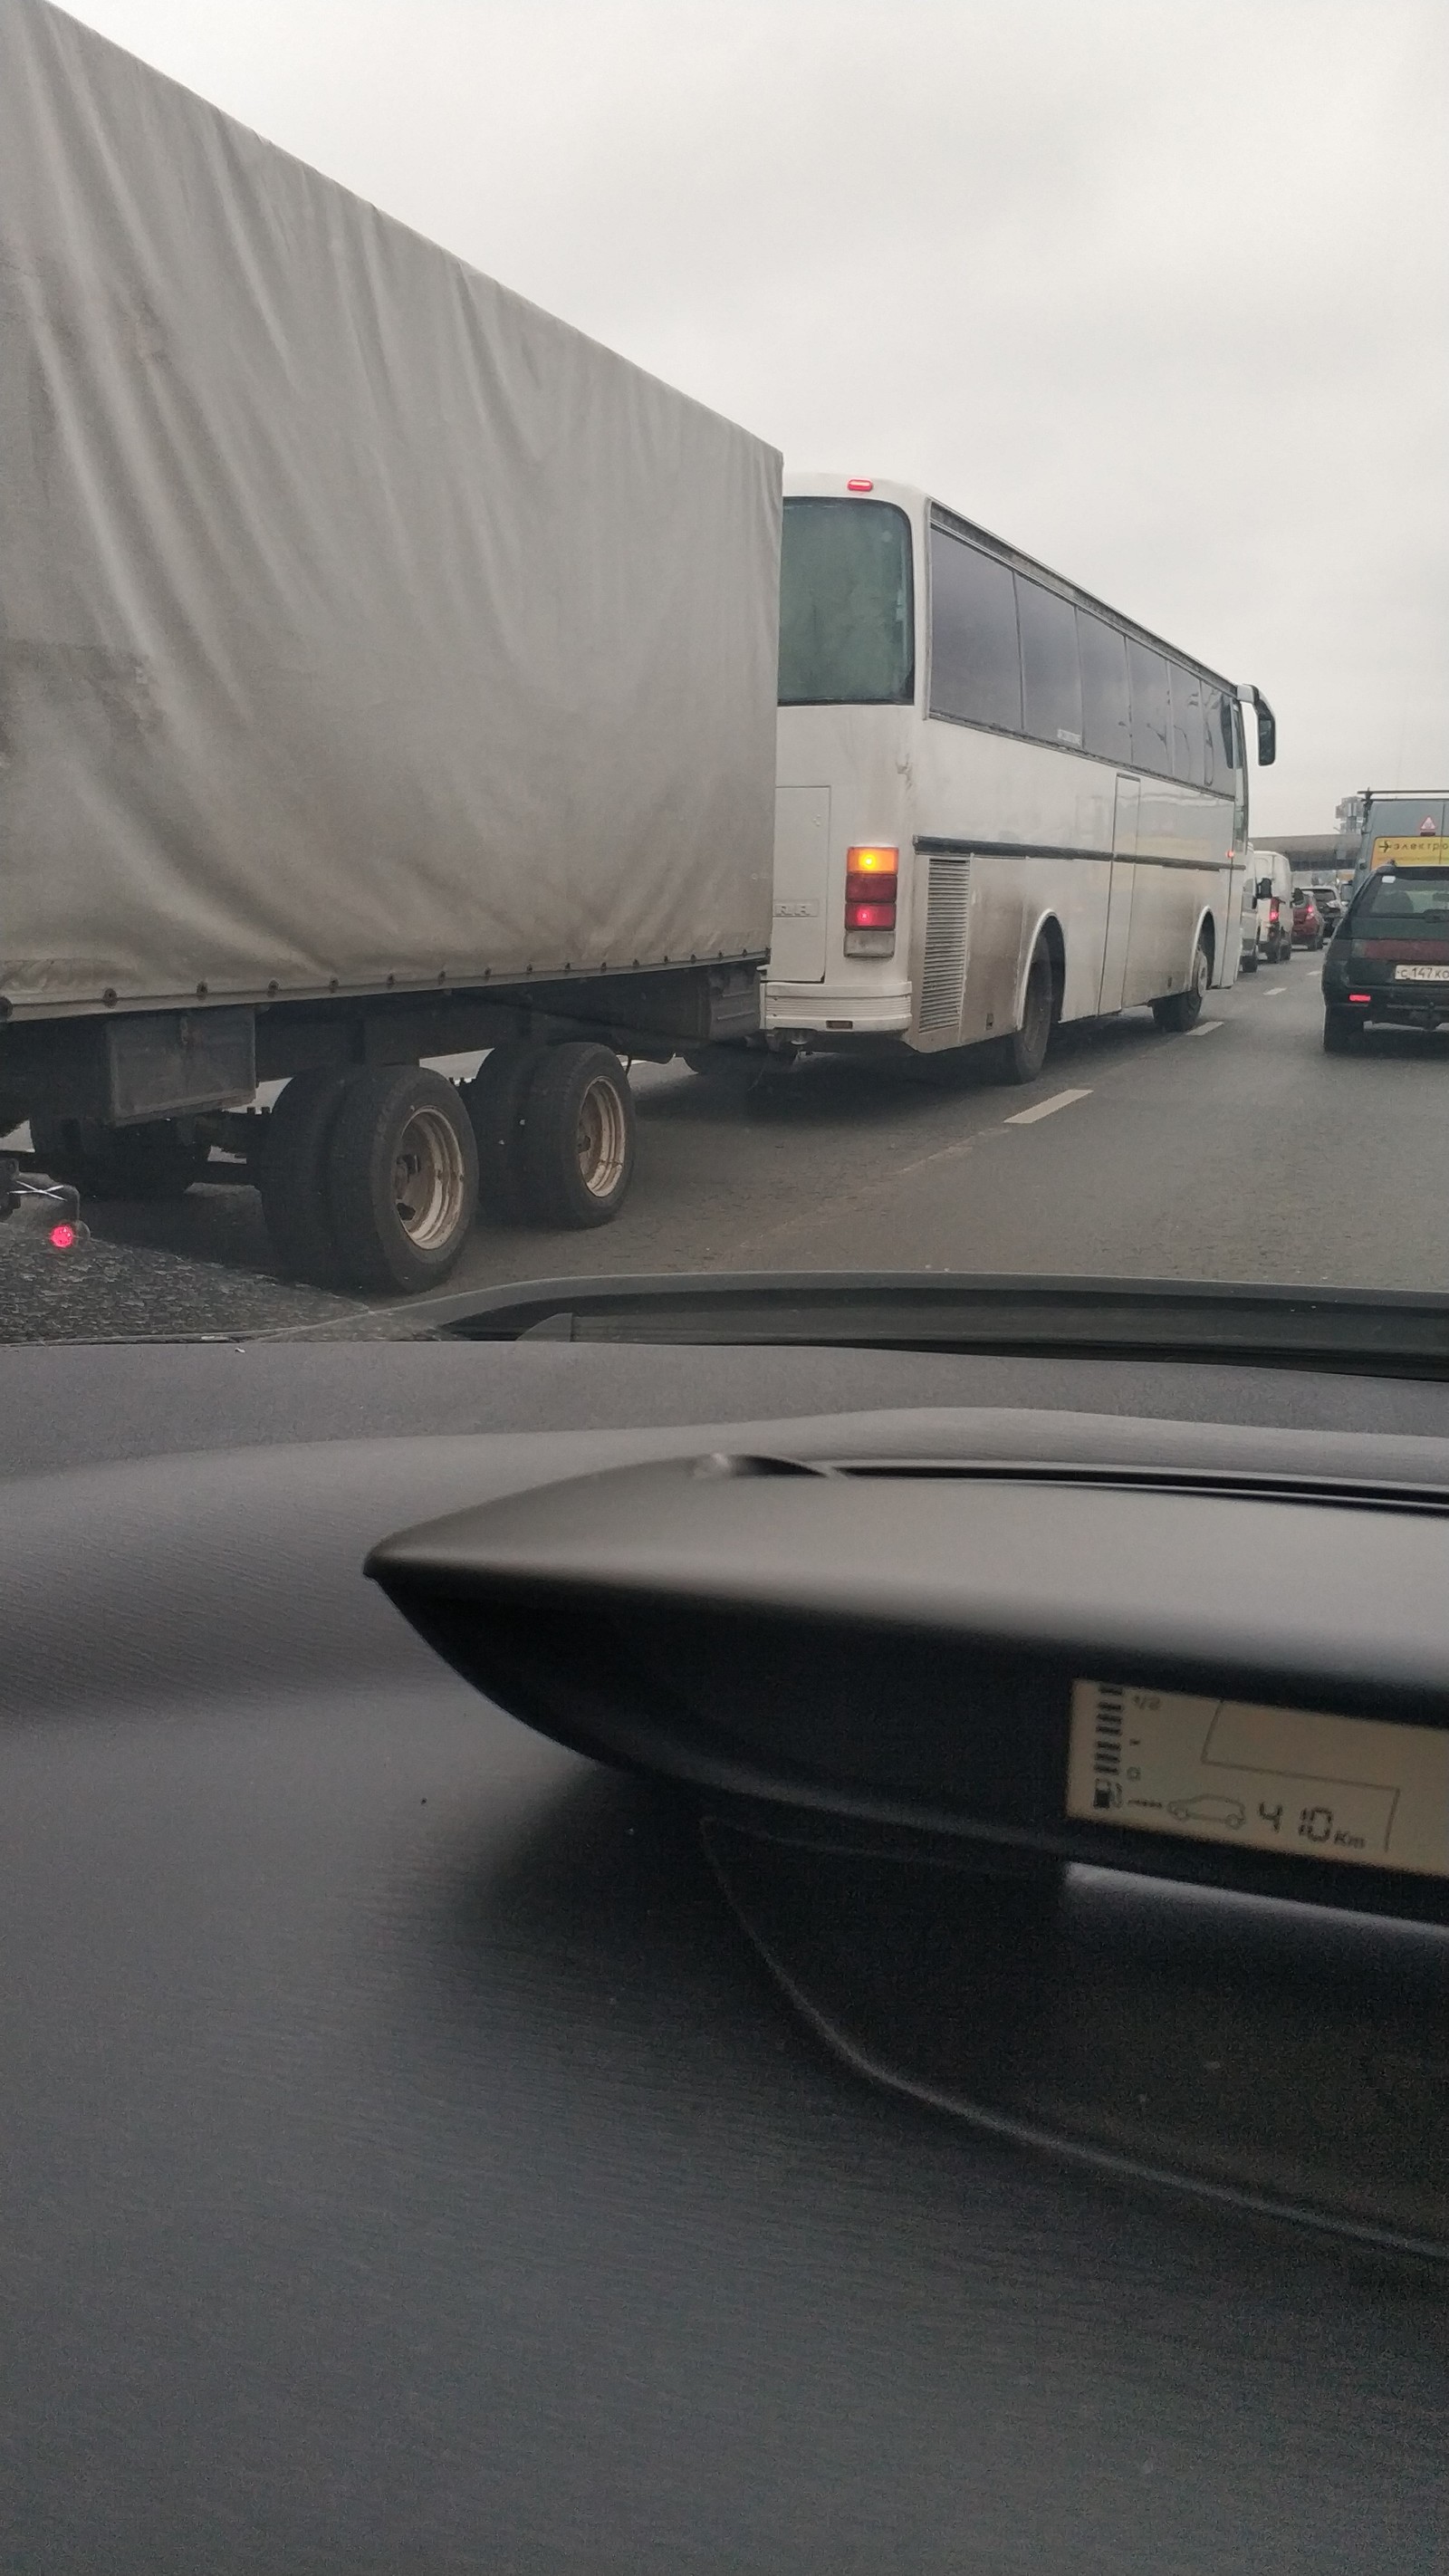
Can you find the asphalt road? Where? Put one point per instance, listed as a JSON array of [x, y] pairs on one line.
[[1239, 1151]]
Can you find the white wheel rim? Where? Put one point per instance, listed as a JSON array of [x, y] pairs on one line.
[[429, 1181], [602, 1139]]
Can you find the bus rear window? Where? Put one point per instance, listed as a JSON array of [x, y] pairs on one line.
[[846, 623]]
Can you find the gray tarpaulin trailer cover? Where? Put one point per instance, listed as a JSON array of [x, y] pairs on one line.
[[362, 626]]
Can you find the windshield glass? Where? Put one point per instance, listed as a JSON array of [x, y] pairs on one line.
[[845, 604], [676, 697]]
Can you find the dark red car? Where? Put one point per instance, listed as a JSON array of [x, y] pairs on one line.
[[1307, 920]]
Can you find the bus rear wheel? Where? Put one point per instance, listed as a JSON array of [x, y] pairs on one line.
[[1024, 1053], [1180, 1011]]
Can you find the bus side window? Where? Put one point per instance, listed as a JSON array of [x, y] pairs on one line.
[[1217, 741], [1151, 714], [1188, 760], [1051, 679], [1106, 703], [975, 654]]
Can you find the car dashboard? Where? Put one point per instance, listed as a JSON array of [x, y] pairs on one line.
[[627, 2039]]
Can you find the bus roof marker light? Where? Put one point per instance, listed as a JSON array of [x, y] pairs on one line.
[[860, 483]]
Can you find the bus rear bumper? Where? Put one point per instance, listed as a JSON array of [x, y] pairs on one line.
[[814, 1012]]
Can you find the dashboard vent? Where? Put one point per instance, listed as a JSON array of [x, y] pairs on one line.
[[1244, 1485]]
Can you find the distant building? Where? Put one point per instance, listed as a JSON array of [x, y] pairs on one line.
[[1312, 855]]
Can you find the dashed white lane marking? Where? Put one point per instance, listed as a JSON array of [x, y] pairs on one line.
[[1272, 991], [1204, 1028], [1044, 1108]]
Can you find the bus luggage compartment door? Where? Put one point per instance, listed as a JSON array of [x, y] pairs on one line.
[[1119, 897], [802, 872]]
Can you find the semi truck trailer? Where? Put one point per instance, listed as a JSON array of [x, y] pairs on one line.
[[389, 673]]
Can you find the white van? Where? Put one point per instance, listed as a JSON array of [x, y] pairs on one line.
[[1253, 916], [1273, 879]]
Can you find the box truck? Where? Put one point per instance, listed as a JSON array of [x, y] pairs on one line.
[[389, 672]]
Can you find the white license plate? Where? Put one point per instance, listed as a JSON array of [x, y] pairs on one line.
[[1421, 974]]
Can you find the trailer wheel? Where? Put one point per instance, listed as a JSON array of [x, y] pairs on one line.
[[158, 1160], [403, 1178], [578, 1137], [495, 1100], [292, 1173]]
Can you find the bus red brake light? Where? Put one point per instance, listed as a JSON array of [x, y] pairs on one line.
[[872, 872], [860, 483], [62, 1237]]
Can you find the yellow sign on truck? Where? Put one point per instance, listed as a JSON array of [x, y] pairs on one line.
[[1412, 850]]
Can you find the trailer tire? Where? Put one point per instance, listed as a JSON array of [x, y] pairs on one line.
[[158, 1160], [402, 1172], [293, 1175], [495, 1100], [578, 1137]]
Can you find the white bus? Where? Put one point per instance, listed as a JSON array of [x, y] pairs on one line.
[[999, 806]]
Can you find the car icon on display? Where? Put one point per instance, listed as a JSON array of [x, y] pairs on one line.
[[1208, 1811]]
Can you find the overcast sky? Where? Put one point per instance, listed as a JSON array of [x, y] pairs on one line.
[[1158, 290]]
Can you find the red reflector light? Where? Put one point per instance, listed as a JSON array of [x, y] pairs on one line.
[[63, 1237], [1360, 997], [870, 916], [860, 483]]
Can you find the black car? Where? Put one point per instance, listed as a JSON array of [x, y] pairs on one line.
[[1389, 958]]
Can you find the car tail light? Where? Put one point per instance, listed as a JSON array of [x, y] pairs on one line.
[[872, 877], [1273, 909], [1360, 997]]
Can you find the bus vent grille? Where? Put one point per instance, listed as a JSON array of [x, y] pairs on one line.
[[943, 981]]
